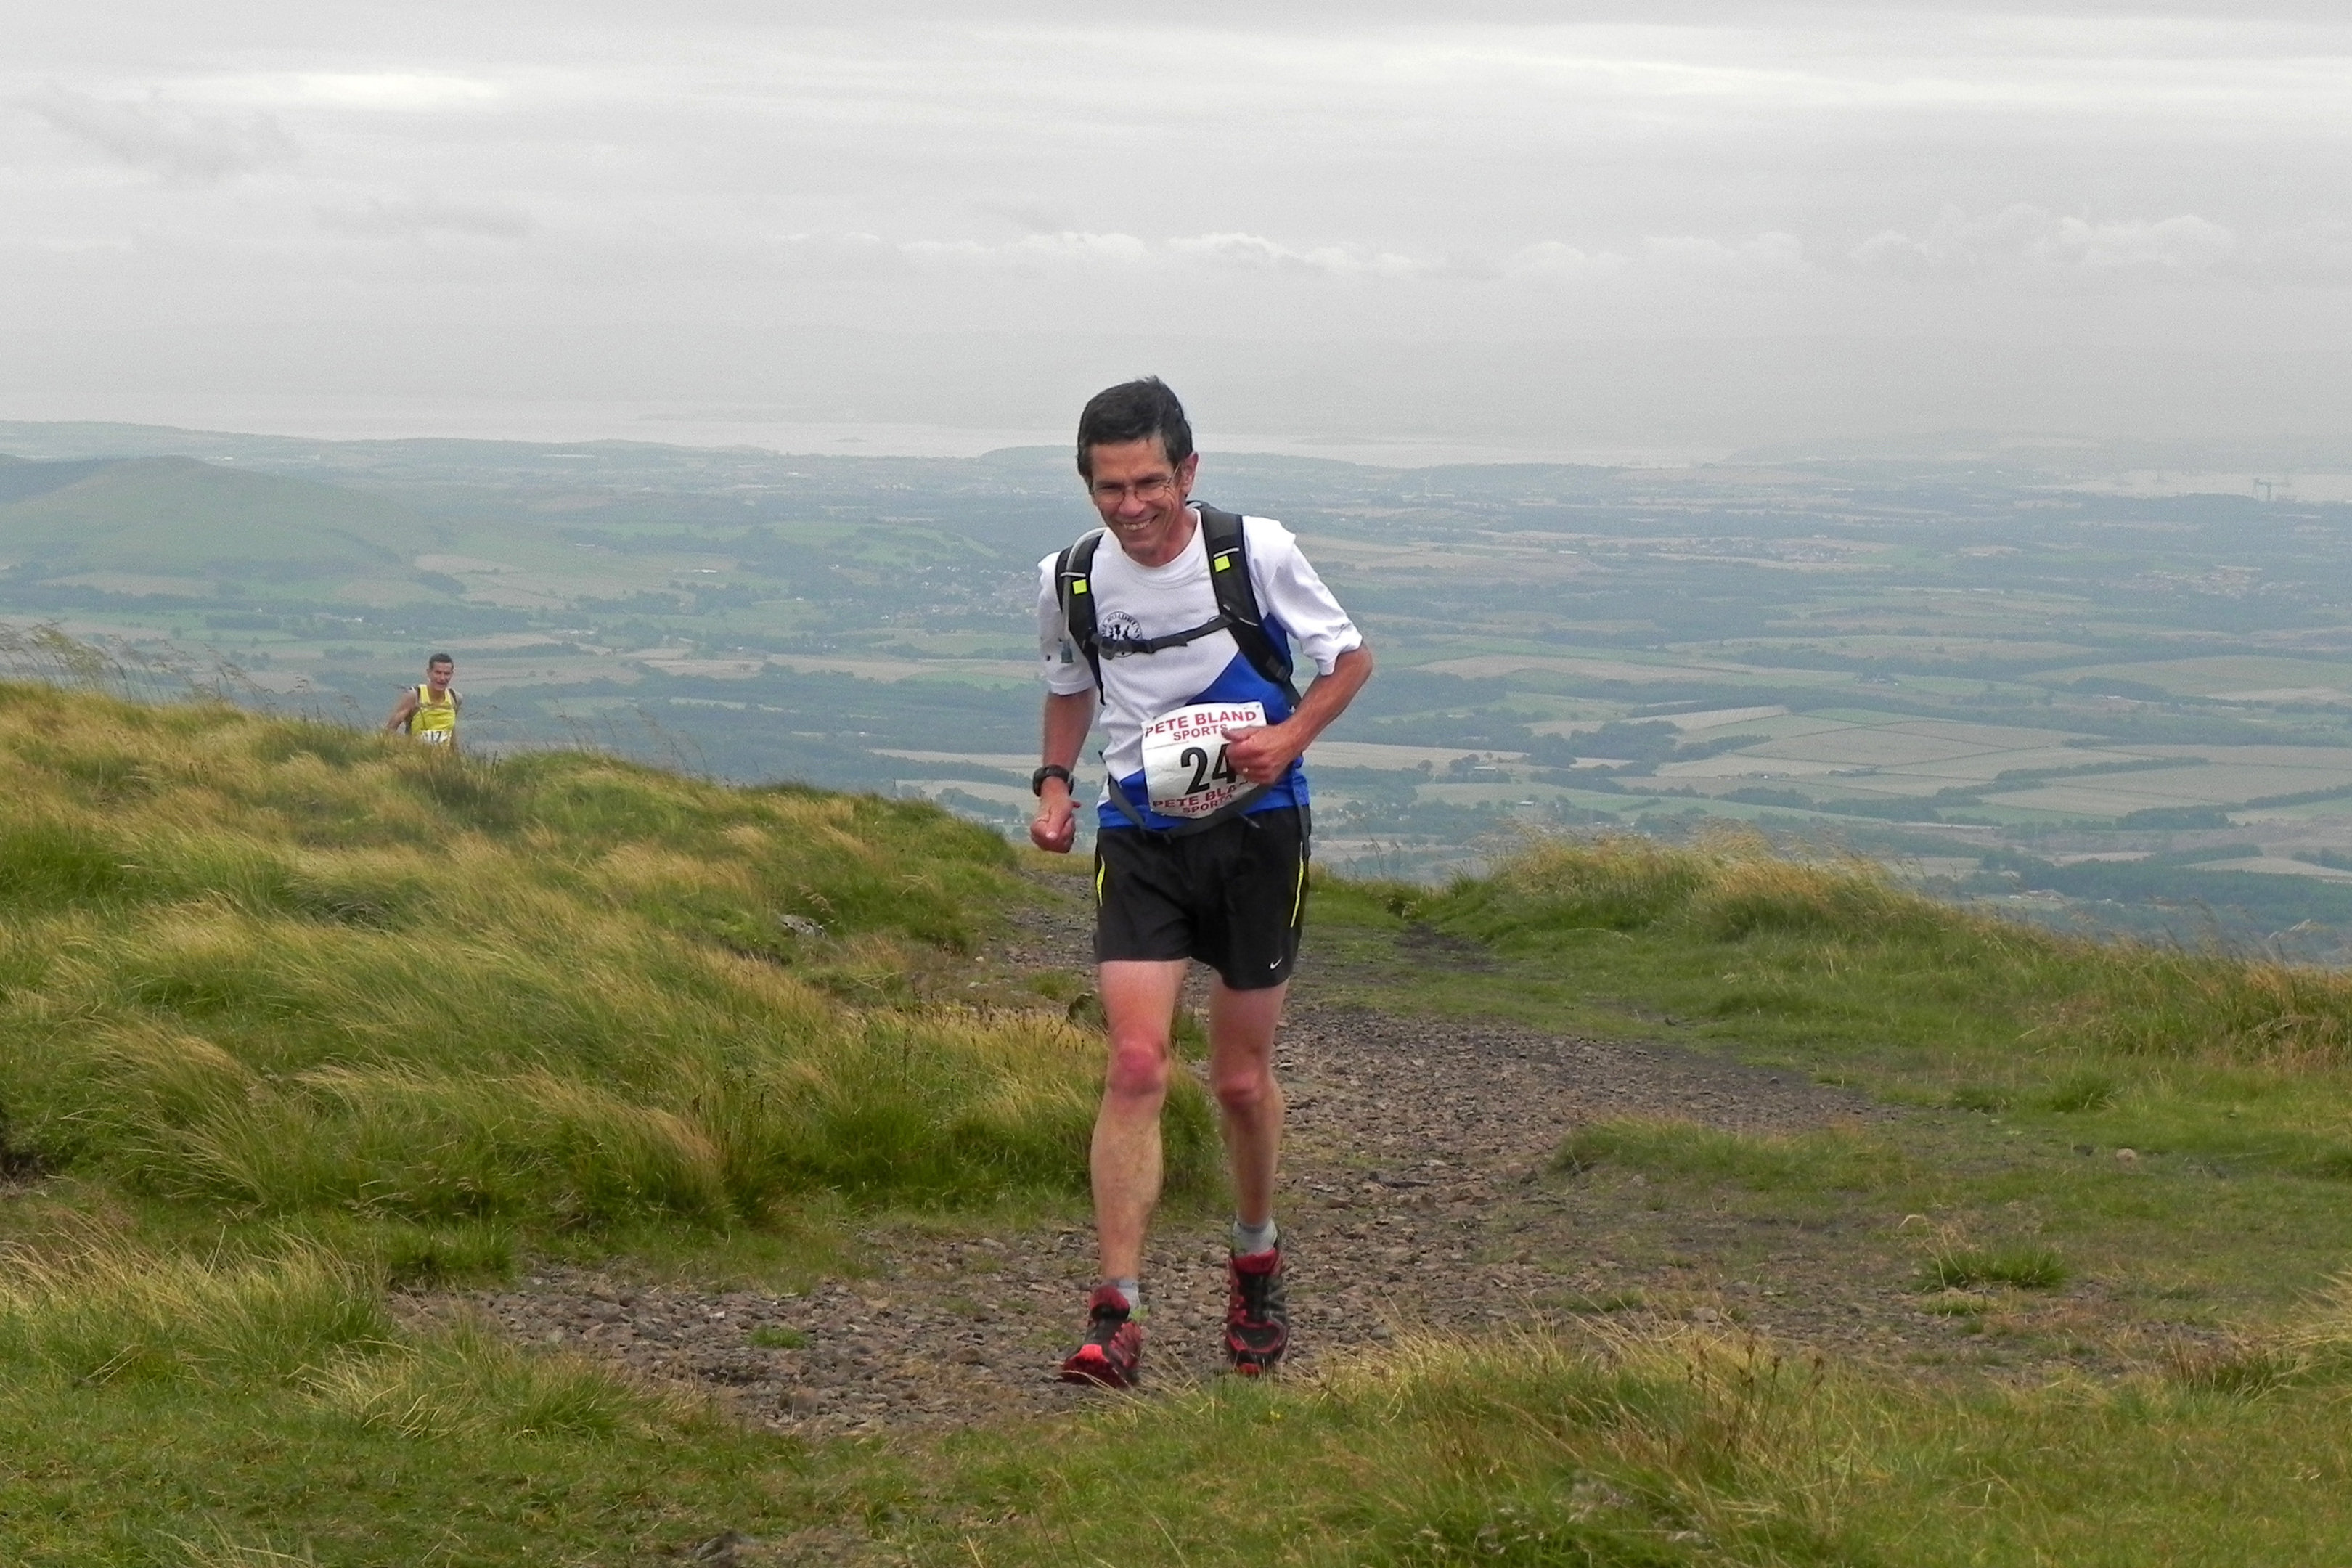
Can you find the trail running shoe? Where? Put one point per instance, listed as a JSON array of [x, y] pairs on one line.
[[1257, 1311], [1113, 1350]]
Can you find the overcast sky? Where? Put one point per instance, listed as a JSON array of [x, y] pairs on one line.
[[1580, 229]]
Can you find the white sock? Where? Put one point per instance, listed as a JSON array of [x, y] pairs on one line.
[[1133, 1290], [1249, 1240]]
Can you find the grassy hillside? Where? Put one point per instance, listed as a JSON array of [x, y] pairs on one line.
[[2213, 1260], [290, 1016], [1839, 948], [2203, 1051], [290, 971], [180, 517]]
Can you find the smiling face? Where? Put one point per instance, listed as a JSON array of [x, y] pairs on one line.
[[437, 674], [1141, 496]]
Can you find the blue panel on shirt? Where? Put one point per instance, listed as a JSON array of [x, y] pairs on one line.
[[1237, 682]]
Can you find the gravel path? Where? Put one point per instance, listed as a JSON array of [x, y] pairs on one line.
[[1415, 1190]]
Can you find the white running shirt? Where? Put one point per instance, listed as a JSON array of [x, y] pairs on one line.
[[1141, 602]]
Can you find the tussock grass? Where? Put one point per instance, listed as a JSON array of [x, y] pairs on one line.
[[2321, 1340], [1529, 1449], [1729, 886], [468, 1381], [2084, 1089], [225, 1550], [281, 968], [2314, 1350], [163, 1409], [404, 1015], [2025, 1267], [1663, 1452], [1808, 922], [106, 1314], [1830, 1159], [1627, 1450]]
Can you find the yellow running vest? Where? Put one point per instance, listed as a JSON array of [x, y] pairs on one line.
[[434, 722]]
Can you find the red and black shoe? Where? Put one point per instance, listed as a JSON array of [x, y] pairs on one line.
[[1113, 1352], [1257, 1311]]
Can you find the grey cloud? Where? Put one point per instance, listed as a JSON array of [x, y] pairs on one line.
[[1552, 260], [1257, 17], [1767, 259], [1066, 248], [163, 138], [2029, 240], [424, 215], [2121, 172], [1257, 253]]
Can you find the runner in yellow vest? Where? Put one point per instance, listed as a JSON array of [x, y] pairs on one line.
[[428, 713]]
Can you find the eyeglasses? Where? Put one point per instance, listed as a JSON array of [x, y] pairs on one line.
[[1149, 492]]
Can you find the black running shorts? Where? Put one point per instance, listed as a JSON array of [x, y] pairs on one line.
[[1232, 895]]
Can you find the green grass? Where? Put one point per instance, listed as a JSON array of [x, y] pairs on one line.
[[290, 1019], [2023, 1268], [1835, 969], [270, 969], [2030, 1059], [354, 1442], [1804, 949], [179, 1412], [1838, 1159], [2166, 1120], [1692, 1450], [769, 1336]]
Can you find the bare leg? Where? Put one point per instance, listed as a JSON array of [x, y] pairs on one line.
[[1241, 1074], [1138, 1001]]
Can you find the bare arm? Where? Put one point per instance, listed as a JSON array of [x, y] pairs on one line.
[[401, 712], [1068, 719], [1261, 755]]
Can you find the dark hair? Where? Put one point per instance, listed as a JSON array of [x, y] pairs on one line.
[[440, 658], [1133, 411]]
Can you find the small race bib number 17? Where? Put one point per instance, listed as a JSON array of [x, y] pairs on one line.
[[1185, 767]]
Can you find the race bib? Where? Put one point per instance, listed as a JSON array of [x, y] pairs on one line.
[[1185, 768]]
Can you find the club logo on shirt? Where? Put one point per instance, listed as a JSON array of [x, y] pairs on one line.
[[1115, 629]]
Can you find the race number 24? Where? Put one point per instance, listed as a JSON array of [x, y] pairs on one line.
[[1187, 770], [1207, 769]]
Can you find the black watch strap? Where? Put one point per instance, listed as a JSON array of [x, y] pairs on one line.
[[1050, 770]]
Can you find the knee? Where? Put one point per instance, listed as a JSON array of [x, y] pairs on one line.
[[1243, 1092], [1138, 1069]]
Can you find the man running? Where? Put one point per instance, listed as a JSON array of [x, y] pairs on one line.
[[428, 713], [1201, 831]]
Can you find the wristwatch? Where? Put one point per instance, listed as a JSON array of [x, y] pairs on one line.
[[1050, 770]]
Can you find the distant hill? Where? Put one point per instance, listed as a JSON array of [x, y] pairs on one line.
[[179, 516], [21, 480]]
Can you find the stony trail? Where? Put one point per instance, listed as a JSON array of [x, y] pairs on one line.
[[1416, 1191]]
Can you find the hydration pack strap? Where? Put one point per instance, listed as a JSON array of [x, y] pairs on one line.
[[1222, 537], [1071, 585], [1229, 577], [1120, 647], [1186, 827]]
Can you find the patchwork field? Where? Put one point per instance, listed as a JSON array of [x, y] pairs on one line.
[[1981, 660], [2236, 678]]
